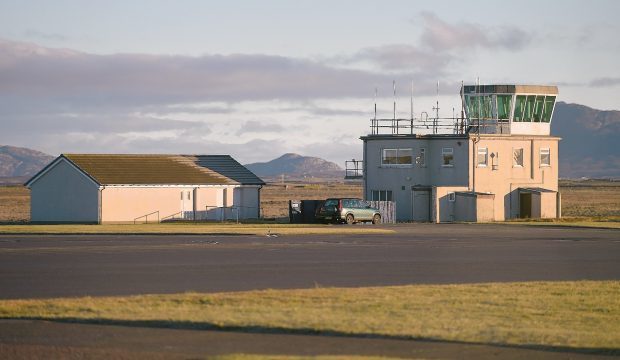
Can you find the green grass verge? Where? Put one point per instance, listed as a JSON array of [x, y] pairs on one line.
[[578, 314], [292, 357], [194, 228], [606, 222]]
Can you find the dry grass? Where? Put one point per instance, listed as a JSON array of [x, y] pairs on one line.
[[590, 198], [14, 203], [194, 228], [577, 314], [293, 357], [275, 197]]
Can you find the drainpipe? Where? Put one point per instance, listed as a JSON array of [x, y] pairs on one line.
[[474, 141], [100, 215], [260, 187]]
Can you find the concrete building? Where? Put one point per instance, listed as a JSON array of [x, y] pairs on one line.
[[80, 188], [499, 161]]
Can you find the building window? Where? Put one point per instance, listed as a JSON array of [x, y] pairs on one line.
[[447, 155], [517, 157], [396, 157], [421, 160], [483, 157], [545, 157], [381, 195], [451, 197]]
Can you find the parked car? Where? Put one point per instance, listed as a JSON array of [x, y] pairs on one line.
[[347, 210]]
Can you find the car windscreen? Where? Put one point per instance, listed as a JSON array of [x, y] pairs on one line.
[[331, 202]]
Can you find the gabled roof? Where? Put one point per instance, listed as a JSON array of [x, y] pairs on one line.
[[137, 169], [229, 167]]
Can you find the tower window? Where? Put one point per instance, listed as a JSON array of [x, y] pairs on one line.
[[447, 155], [483, 157], [545, 157], [517, 157]]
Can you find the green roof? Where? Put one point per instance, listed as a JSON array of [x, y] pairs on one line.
[[112, 169]]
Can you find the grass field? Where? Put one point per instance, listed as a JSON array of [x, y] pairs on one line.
[[583, 315], [14, 203], [193, 228]]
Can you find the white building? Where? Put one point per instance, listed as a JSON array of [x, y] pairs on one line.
[[500, 161], [103, 188]]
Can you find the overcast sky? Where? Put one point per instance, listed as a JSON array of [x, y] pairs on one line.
[[256, 79]]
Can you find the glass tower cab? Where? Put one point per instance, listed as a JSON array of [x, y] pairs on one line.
[[509, 109]]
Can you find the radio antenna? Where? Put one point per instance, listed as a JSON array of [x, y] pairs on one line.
[[411, 125]]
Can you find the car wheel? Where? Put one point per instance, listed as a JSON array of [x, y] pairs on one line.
[[350, 219], [376, 219]]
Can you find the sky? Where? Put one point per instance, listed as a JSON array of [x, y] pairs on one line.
[[257, 79]]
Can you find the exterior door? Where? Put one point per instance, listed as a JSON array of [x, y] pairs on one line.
[[187, 204], [421, 205], [525, 205]]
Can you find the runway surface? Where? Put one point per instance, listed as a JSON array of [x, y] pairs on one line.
[[37, 266]]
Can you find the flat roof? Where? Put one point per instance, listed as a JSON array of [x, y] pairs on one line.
[[511, 89]]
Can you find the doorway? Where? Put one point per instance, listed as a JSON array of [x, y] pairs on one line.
[[525, 205], [421, 205]]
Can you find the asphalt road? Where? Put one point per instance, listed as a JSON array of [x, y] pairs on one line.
[[37, 266]]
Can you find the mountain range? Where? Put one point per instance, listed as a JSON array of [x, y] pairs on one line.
[[21, 163], [589, 141], [297, 166], [587, 149]]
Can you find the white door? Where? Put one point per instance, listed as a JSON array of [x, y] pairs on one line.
[[187, 204]]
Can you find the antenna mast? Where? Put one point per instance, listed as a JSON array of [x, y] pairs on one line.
[[394, 127], [436, 108], [375, 128], [411, 127]]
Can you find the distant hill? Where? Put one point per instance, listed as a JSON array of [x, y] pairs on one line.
[[297, 166], [589, 145], [21, 162]]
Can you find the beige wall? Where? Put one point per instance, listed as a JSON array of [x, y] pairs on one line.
[[485, 208], [125, 204], [504, 179], [64, 194], [548, 206]]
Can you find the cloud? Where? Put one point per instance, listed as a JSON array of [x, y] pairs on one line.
[[402, 56], [66, 76], [39, 35], [605, 82], [254, 126], [442, 36]]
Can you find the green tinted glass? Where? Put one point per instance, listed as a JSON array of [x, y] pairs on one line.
[[549, 102], [539, 105], [520, 108], [504, 103], [487, 108], [529, 108]]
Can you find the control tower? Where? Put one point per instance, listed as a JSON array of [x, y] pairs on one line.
[[496, 161]]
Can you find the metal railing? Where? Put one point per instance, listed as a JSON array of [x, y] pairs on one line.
[[425, 123], [211, 213], [146, 217], [171, 217], [354, 169]]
